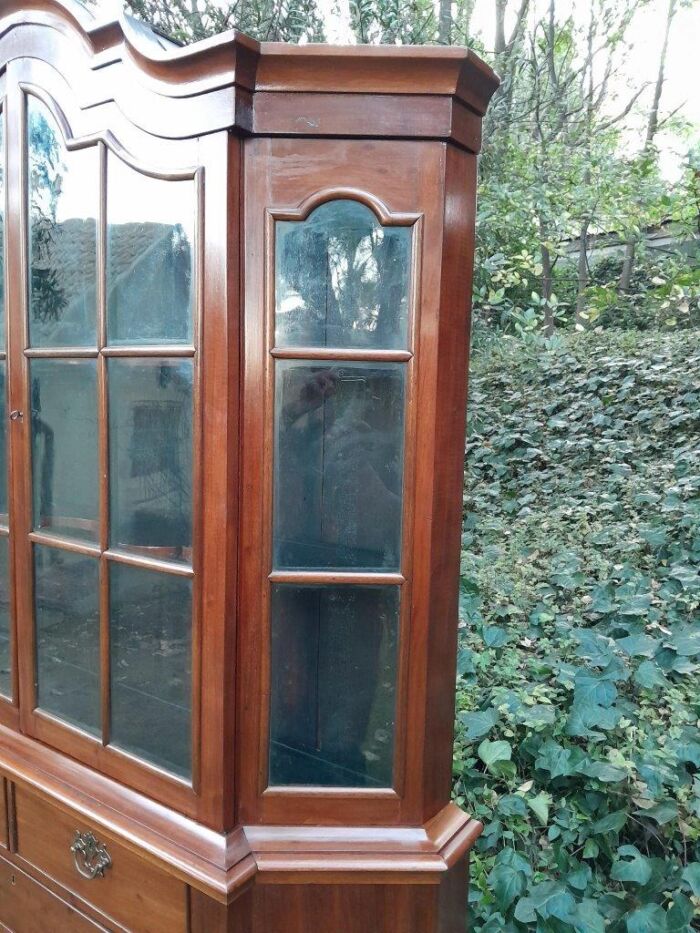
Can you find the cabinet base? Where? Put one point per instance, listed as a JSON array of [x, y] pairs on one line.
[[341, 908]]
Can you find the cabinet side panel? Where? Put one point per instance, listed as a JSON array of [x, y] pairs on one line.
[[220, 379], [448, 471], [346, 908], [452, 902]]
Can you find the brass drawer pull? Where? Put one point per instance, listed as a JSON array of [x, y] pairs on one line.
[[91, 857]]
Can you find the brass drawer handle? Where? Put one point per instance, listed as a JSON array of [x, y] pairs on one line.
[[91, 857]]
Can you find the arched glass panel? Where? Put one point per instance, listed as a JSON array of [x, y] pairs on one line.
[[150, 257], [63, 203], [342, 280]]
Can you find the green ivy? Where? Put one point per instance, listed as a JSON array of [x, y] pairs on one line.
[[578, 703]]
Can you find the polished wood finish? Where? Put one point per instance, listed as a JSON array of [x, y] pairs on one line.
[[27, 906], [132, 891], [267, 133]]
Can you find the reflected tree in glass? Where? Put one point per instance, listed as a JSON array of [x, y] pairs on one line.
[[63, 193], [150, 247], [342, 279], [338, 465]]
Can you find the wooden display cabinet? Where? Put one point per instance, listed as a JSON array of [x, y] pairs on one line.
[[234, 335]]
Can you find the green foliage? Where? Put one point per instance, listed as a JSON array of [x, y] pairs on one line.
[[270, 20], [578, 702]]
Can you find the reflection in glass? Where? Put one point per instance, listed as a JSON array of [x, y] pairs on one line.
[[3, 444], [341, 279], [150, 449], [150, 651], [150, 237], [63, 199], [64, 447], [67, 636], [5, 645], [2, 229], [338, 465], [333, 685]]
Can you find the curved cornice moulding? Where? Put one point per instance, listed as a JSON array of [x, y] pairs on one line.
[[233, 58]]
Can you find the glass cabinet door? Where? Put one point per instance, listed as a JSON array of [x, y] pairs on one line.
[[5, 626], [342, 291], [111, 375]]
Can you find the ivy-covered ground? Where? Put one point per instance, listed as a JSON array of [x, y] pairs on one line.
[[578, 741]]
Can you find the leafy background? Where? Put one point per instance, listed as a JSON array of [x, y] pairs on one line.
[[578, 703]]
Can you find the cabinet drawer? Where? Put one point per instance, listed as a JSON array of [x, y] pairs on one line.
[[28, 907], [132, 891]]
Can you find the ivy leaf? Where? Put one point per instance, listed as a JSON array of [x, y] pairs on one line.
[[691, 876], [540, 806], [492, 753], [494, 636], [512, 805], [587, 918], [480, 723], [648, 919], [593, 690], [552, 899], [611, 823], [680, 916], [632, 866], [508, 877], [685, 641], [583, 717], [602, 771], [649, 676], [555, 759], [662, 812], [639, 645]]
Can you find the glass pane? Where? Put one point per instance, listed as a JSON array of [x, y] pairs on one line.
[[5, 648], [150, 448], [333, 685], [3, 444], [66, 595], [341, 279], [63, 200], [64, 447], [150, 248], [2, 230], [150, 648], [338, 465]]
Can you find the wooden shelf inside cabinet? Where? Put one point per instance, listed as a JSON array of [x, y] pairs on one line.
[[234, 319]]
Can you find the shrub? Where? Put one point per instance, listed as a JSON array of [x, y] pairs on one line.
[[578, 703]]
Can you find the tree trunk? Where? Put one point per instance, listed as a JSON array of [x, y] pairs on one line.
[[445, 23], [546, 262], [581, 319], [500, 43], [652, 127], [627, 267]]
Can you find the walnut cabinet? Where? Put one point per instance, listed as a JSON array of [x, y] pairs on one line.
[[234, 300]]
